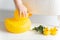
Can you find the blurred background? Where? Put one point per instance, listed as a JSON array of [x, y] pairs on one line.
[[48, 7], [7, 5], [6, 9]]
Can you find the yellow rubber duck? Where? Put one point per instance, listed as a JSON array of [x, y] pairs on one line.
[[53, 31], [45, 31], [16, 24]]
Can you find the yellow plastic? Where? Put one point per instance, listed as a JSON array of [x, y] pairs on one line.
[[53, 31], [45, 31], [17, 26]]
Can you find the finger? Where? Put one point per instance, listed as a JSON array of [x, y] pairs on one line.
[[25, 14], [20, 13]]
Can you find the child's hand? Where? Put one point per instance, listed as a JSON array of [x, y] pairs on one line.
[[23, 10]]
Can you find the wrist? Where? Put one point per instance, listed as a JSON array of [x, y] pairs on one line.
[[21, 6], [20, 2]]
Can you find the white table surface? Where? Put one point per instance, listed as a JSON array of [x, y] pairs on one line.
[[29, 35]]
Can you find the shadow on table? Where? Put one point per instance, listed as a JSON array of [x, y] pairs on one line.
[[2, 27]]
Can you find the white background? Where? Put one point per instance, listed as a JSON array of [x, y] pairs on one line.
[[9, 5], [54, 5]]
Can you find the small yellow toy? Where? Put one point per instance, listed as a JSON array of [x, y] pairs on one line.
[[45, 31], [53, 31], [16, 24]]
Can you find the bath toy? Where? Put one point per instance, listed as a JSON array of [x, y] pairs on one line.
[[53, 31], [45, 31], [18, 24]]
